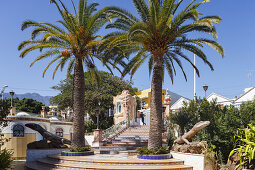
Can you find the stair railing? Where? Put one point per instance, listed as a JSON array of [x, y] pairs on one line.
[[114, 130]]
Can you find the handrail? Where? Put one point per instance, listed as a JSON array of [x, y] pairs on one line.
[[114, 130]]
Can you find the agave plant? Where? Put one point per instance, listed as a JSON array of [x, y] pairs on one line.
[[245, 147]]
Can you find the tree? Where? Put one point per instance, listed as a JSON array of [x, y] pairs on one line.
[[182, 119], [160, 36], [26, 105], [74, 41], [224, 123], [110, 86], [5, 155], [3, 113]]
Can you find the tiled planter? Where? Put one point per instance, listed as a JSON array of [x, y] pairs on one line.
[[34, 154], [77, 153], [154, 157]]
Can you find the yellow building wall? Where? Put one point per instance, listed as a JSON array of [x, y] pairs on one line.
[[145, 96], [19, 144], [66, 137]]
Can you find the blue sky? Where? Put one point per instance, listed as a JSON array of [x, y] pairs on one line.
[[236, 34]]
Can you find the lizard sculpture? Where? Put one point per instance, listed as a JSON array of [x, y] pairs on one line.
[[197, 127], [58, 141]]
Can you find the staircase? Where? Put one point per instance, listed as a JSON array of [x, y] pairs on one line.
[[125, 142]]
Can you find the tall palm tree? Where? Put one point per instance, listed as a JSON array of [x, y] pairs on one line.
[[160, 36], [73, 41]]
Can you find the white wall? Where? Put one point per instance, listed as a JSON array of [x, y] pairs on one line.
[[246, 97], [179, 104], [195, 160], [89, 140], [219, 99]]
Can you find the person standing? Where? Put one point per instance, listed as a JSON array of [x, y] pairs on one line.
[[142, 117]]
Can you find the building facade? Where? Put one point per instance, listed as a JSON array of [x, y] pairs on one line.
[[20, 135], [125, 108]]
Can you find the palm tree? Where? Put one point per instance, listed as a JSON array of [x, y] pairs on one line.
[[161, 36], [73, 41], [181, 118]]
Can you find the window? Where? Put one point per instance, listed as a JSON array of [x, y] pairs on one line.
[[119, 108], [143, 104], [59, 132], [18, 131]]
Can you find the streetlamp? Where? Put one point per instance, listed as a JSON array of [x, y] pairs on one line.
[[98, 115], [12, 94], [205, 87]]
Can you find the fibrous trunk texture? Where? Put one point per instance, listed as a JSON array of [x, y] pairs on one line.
[[155, 134], [78, 105]]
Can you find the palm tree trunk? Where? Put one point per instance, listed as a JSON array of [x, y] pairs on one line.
[[78, 105], [155, 134], [182, 130]]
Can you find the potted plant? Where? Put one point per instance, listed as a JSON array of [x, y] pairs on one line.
[[153, 154], [83, 151], [245, 147]]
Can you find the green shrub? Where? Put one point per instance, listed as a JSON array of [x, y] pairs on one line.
[[145, 151], [5, 159], [245, 147], [89, 126], [81, 149]]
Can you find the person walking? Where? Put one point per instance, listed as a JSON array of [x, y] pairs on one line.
[[142, 117]]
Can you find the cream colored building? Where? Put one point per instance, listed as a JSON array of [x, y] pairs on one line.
[[125, 108], [20, 135]]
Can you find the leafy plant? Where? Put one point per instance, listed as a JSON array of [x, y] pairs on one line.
[[145, 151], [89, 126], [245, 147], [80, 149], [5, 159], [182, 119]]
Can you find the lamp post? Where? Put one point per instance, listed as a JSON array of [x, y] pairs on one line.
[[12, 94], [98, 115], [205, 87]]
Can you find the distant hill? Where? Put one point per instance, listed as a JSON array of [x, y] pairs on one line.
[[44, 99]]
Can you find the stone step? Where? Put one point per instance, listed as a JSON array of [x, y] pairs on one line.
[[40, 166], [136, 130], [77, 166], [133, 134], [115, 148], [126, 144], [130, 137], [116, 152], [132, 163], [130, 140]]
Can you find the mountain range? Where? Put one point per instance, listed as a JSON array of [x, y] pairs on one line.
[[44, 99]]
